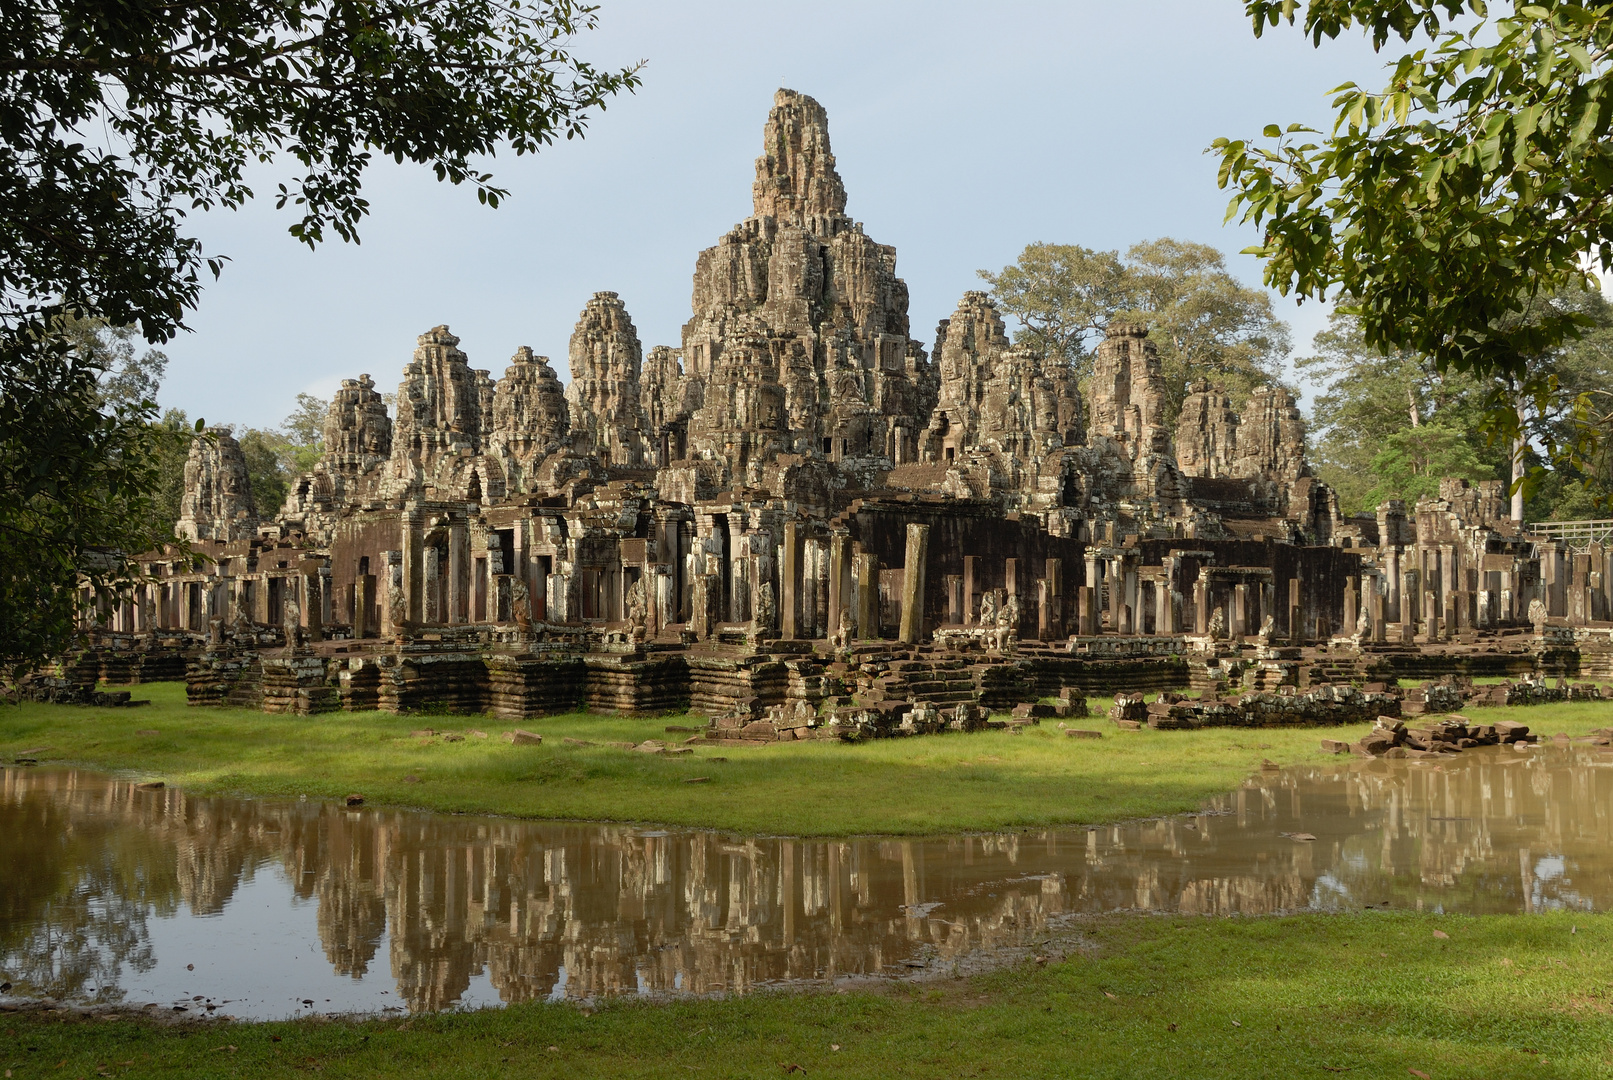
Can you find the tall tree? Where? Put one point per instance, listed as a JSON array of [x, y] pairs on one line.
[[1202, 319], [118, 119], [1443, 207], [1367, 422]]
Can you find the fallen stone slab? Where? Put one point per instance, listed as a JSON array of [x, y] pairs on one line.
[[522, 738], [1082, 733]]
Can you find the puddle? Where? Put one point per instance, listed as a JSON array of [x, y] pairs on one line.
[[113, 894]]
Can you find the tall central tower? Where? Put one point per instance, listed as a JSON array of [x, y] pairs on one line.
[[800, 328]]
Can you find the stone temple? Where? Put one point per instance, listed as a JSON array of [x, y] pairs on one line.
[[802, 520]]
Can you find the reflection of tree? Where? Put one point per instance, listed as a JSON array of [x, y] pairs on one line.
[[584, 910], [78, 892]]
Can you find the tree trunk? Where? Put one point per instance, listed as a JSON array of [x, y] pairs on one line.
[[1520, 443]]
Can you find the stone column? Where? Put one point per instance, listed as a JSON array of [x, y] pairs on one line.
[[1094, 584], [839, 579], [1086, 611], [913, 572], [313, 606], [1114, 573], [412, 558], [971, 588], [1296, 613], [790, 584], [458, 573], [1053, 570], [1410, 598], [1352, 611], [395, 595], [431, 576], [1391, 599], [1239, 623], [1162, 607], [954, 599], [1201, 606], [866, 569]]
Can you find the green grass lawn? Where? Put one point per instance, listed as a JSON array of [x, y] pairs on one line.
[[1372, 995], [932, 784]]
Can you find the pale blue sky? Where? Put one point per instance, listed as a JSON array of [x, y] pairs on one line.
[[963, 132]]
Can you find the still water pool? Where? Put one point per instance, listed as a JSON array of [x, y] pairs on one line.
[[110, 893]]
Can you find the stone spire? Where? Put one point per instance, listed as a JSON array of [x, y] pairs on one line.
[[796, 182], [604, 391], [1271, 436], [439, 400], [1206, 432], [357, 429], [217, 502], [530, 418], [1128, 391], [967, 347], [799, 271], [742, 420]]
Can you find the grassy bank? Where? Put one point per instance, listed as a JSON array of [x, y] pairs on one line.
[[1373, 995], [944, 783]]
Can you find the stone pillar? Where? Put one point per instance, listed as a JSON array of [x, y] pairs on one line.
[[839, 579], [1053, 571], [1296, 613], [431, 576], [918, 554], [458, 574], [790, 584], [1162, 607], [1238, 625], [954, 599], [1114, 574], [313, 606], [1391, 598], [1086, 615], [362, 599], [972, 583], [1132, 608], [412, 557], [1201, 607], [866, 569], [1410, 598], [1094, 584], [1431, 614], [1352, 612], [396, 595]]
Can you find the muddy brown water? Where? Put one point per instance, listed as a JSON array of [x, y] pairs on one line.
[[114, 894]]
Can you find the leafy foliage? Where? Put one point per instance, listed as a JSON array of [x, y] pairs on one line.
[[1445, 206], [1203, 320], [1368, 421], [117, 120], [275, 457], [77, 477]]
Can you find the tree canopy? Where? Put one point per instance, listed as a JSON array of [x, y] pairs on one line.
[[1203, 320], [1389, 426], [1444, 207], [117, 120]]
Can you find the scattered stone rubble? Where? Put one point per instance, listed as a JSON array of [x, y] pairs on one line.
[[805, 523], [1450, 735]]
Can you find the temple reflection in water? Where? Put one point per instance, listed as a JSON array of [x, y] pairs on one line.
[[578, 910]]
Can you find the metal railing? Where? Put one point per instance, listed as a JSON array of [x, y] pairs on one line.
[[1579, 535]]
